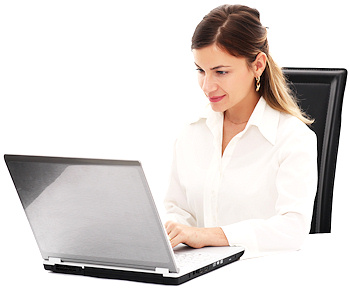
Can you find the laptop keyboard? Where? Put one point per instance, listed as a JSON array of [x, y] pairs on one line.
[[189, 259]]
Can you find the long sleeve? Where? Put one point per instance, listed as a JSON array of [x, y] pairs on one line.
[[175, 201]]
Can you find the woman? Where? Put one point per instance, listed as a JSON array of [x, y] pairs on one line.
[[245, 173]]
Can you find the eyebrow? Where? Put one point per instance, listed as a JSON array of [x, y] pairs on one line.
[[213, 68]]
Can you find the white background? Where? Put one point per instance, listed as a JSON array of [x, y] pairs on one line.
[[116, 80]]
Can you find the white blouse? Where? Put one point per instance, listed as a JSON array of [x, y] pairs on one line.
[[260, 191]]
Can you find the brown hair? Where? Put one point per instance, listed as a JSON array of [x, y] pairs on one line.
[[237, 30]]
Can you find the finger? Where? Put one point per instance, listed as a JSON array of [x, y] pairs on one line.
[[169, 225], [172, 233], [175, 241], [174, 236]]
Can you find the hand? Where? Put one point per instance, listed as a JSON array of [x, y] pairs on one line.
[[179, 233], [195, 237]]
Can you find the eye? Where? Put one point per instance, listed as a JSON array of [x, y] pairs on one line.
[[221, 72], [200, 70]]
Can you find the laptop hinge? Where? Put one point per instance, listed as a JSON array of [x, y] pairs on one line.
[[53, 261], [162, 271]]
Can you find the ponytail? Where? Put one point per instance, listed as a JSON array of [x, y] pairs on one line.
[[277, 94]]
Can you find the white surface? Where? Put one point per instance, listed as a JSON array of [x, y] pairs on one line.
[[116, 79]]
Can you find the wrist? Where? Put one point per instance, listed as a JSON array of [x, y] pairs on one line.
[[214, 237]]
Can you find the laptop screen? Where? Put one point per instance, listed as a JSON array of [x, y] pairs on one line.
[[92, 211]]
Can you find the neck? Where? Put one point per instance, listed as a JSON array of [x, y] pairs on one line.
[[241, 112]]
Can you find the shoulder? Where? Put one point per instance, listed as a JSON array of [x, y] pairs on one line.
[[197, 126], [290, 125], [192, 131], [293, 134]]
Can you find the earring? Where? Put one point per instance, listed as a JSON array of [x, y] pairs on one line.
[[257, 83]]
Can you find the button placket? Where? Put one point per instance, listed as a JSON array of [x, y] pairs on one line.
[[211, 192]]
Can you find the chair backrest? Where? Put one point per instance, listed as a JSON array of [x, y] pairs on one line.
[[320, 92]]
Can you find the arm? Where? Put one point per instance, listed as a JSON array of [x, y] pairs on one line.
[[296, 183], [181, 225], [175, 201]]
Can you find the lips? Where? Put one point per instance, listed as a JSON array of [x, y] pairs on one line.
[[216, 99]]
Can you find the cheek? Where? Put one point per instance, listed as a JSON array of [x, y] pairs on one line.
[[237, 87], [245, 83], [230, 85]]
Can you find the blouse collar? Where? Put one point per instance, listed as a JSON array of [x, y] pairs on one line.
[[264, 117]]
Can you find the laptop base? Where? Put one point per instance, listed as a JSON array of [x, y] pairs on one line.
[[138, 276]]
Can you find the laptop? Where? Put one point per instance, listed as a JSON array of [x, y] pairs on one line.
[[97, 218]]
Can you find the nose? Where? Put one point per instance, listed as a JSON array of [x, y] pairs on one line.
[[208, 84]]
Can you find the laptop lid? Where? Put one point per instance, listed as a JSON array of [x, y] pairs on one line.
[[91, 211]]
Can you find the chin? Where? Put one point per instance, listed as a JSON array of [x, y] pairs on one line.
[[217, 108]]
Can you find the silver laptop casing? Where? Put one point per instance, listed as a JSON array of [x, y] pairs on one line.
[[98, 214]]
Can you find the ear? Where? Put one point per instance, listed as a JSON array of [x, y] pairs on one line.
[[259, 64]]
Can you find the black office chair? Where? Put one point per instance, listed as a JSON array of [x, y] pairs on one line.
[[320, 92]]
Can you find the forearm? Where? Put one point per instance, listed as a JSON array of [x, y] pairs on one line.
[[279, 233], [214, 237]]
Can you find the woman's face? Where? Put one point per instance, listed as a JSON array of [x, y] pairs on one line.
[[226, 80]]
